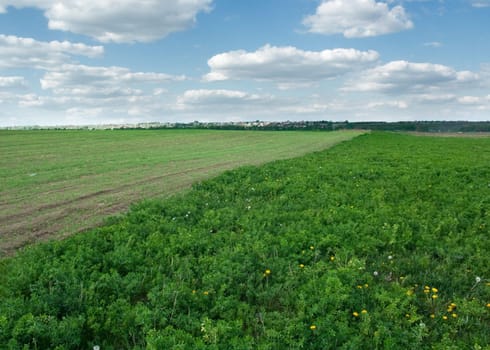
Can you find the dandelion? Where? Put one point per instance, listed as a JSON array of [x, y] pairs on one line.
[[390, 257], [366, 285], [312, 247], [355, 314], [444, 317], [407, 315], [301, 265], [364, 311], [426, 291], [359, 287], [432, 316], [454, 315], [205, 292], [434, 290], [193, 291], [332, 258], [410, 292], [313, 327], [375, 273], [434, 296], [488, 305], [267, 272], [478, 279]]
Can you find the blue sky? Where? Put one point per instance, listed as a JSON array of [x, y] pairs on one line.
[[129, 61]]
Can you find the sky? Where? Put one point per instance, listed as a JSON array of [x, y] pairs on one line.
[[92, 62]]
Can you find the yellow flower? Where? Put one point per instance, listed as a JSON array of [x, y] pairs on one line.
[[364, 311], [488, 305], [444, 317], [455, 315], [205, 292], [434, 290], [194, 291], [410, 292], [359, 286], [426, 291], [312, 247], [366, 285], [434, 296], [312, 327], [453, 305], [432, 316], [426, 287], [355, 314], [301, 265], [267, 272], [332, 258], [407, 315]]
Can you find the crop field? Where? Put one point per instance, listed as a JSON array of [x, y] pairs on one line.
[[55, 183], [381, 242]]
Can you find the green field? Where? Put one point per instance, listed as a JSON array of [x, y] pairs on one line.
[[55, 183], [381, 242]]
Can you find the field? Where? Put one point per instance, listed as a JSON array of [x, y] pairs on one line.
[[381, 242], [55, 183]]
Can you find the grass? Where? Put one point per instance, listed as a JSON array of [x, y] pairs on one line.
[[377, 243], [55, 183]]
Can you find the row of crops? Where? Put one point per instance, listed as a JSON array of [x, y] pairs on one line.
[[381, 242]]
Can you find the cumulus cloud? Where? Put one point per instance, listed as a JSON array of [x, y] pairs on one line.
[[118, 21], [383, 104], [403, 77], [287, 64], [357, 18], [471, 100], [84, 80], [435, 98], [220, 97], [18, 52], [12, 82]]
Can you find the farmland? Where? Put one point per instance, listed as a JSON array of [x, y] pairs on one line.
[[377, 243], [55, 183]]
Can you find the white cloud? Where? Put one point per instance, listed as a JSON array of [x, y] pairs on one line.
[[12, 82], [383, 104], [403, 77], [357, 18], [437, 99], [480, 3], [118, 20], [219, 98], [470, 100], [287, 64], [17, 52], [100, 82], [434, 44]]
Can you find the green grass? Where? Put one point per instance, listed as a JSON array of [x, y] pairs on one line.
[[377, 243], [55, 183]]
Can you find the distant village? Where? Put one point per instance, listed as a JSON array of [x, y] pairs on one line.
[[415, 126]]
